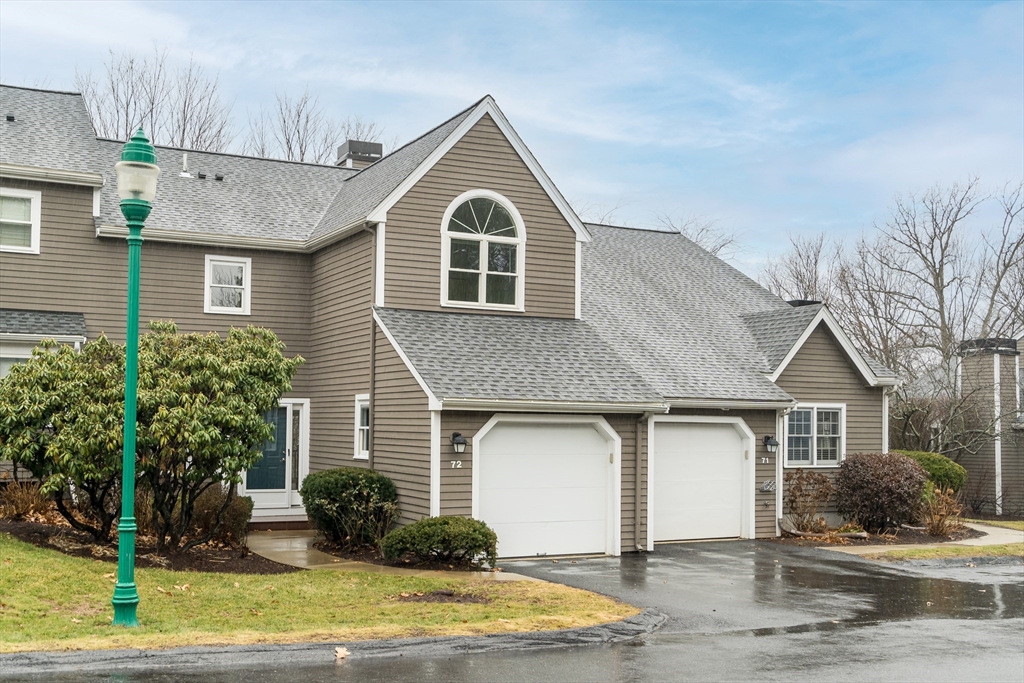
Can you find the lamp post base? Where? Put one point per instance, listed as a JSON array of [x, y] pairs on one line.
[[126, 600]]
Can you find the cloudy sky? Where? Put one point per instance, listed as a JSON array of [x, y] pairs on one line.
[[773, 118]]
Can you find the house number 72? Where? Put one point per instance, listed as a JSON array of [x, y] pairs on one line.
[[456, 464]]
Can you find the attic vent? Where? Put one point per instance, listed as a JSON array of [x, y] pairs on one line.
[[201, 175], [10, 117], [218, 176]]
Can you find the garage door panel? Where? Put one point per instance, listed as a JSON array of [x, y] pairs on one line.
[[544, 488], [698, 481]]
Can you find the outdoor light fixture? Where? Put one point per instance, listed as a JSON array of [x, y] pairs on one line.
[[136, 185], [459, 442], [771, 444]]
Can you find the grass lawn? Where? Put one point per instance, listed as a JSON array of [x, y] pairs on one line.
[[50, 601], [1005, 523], [950, 551]]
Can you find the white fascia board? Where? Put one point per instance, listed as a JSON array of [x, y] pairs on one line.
[[59, 338], [486, 106], [204, 239], [733, 404], [551, 406], [824, 315], [432, 402], [51, 175]]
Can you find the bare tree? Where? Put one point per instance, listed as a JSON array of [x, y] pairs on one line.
[[299, 129], [705, 232], [807, 271], [182, 110], [601, 214]]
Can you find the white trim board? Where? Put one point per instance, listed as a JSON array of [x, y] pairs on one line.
[[824, 315], [435, 463], [748, 527], [487, 106], [613, 537], [432, 402], [51, 175]]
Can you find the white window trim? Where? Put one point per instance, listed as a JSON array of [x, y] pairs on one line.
[[35, 210], [813, 464], [246, 285], [519, 241], [362, 400]]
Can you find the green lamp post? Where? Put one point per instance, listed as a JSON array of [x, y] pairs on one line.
[[136, 185]]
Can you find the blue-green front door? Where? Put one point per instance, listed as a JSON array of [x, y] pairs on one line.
[[267, 480]]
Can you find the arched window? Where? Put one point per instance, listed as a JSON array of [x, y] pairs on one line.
[[483, 242]]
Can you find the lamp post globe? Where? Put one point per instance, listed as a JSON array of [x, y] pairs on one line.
[[137, 173]]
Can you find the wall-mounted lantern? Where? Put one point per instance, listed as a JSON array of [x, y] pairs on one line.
[[771, 444], [459, 442]]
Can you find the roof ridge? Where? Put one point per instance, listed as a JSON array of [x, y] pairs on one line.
[[232, 154], [420, 137], [48, 90]]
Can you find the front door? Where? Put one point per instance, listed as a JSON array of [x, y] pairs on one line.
[[273, 482]]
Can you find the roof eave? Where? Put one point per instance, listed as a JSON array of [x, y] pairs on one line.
[[534, 406], [51, 175], [732, 404]]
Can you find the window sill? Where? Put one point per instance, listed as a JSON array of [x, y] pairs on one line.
[[482, 307], [795, 466], [364, 458], [20, 250], [225, 311]]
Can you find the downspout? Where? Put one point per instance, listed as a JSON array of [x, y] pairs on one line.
[[373, 344], [638, 488]]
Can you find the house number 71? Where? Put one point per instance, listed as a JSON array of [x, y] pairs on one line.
[[456, 464]]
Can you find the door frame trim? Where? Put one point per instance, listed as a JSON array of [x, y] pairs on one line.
[[749, 466], [613, 533], [303, 466]]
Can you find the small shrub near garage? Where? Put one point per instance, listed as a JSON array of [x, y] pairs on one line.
[[942, 471], [350, 506], [879, 490], [807, 494], [448, 540]]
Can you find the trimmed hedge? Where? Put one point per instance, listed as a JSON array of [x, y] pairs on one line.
[[879, 490], [943, 472], [450, 540], [351, 506]]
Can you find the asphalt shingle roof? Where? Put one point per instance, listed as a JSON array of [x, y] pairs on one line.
[[489, 357], [43, 323], [50, 130], [778, 329], [673, 311], [257, 198], [361, 193]]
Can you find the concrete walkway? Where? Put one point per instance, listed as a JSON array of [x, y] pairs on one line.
[[994, 535], [295, 548]]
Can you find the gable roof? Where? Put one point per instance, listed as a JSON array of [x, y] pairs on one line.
[[777, 330], [673, 311], [41, 323], [492, 359], [51, 130]]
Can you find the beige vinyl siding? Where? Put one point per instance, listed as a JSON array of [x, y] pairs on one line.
[[401, 431], [1012, 454], [762, 423], [483, 159], [457, 483], [341, 296], [821, 373], [77, 272]]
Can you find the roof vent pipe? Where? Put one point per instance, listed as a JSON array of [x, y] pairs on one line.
[[184, 166]]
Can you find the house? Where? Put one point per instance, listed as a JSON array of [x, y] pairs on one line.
[[990, 379], [582, 388]]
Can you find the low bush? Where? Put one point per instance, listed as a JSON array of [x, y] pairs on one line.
[[20, 499], [449, 540], [942, 471], [351, 506], [807, 492], [879, 490], [941, 510], [234, 520]]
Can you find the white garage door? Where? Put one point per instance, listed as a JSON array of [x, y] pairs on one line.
[[698, 481], [543, 488]]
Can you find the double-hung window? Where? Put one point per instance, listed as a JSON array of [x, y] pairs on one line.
[[362, 430], [483, 240], [19, 220], [816, 436], [228, 285]]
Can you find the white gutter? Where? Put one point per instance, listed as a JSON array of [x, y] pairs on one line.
[[60, 338], [729, 404], [51, 175], [550, 406]]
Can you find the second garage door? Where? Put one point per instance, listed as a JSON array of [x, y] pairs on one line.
[[544, 488], [698, 481]]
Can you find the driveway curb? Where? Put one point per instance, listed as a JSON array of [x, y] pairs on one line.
[[35, 663]]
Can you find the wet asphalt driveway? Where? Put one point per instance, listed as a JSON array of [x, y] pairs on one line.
[[738, 611]]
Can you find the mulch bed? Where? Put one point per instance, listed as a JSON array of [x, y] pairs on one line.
[[902, 537], [207, 558], [371, 555]]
